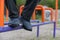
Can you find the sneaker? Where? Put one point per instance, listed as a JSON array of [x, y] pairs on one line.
[[14, 22], [26, 24]]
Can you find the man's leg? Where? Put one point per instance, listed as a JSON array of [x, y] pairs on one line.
[[27, 13], [5, 8], [12, 8], [15, 1], [13, 13], [29, 8]]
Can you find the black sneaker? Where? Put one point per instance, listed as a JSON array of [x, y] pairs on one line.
[[26, 24], [13, 22]]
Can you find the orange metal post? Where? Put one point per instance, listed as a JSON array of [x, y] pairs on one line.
[[56, 12], [21, 9], [43, 19], [7, 15], [1, 12], [34, 16]]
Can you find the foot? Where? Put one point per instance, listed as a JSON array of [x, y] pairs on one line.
[[26, 24], [14, 22]]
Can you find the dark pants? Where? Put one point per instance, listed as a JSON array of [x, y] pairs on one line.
[[7, 5], [27, 12]]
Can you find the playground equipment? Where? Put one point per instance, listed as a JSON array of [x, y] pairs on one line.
[[4, 25], [56, 11], [7, 15], [40, 7], [1, 12]]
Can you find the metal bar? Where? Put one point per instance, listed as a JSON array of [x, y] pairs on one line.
[[7, 28], [38, 31], [54, 32]]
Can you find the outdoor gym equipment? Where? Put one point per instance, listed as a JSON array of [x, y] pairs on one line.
[[4, 26], [40, 7]]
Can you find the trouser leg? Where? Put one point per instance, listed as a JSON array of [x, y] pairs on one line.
[[29, 8], [13, 11]]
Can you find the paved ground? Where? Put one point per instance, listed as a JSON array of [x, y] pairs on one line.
[[46, 33]]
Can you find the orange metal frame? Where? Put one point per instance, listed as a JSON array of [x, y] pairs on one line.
[[56, 12], [39, 7], [1, 12]]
